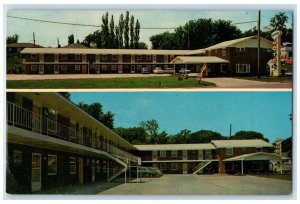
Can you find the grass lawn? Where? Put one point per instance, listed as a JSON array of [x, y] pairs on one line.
[[276, 176], [149, 82], [269, 79]]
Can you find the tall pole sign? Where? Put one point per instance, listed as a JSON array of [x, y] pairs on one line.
[[258, 47], [275, 63]]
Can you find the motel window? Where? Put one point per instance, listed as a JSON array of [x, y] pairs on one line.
[[148, 57], [104, 166], [83, 58], [77, 67], [77, 57], [139, 57], [149, 67], [240, 49], [113, 67], [207, 152], [166, 66], [104, 67], [162, 153], [9, 49], [52, 164], [64, 67], [33, 67], [72, 165], [171, 57], [224, 52], [17, 158], [55, 57], [174, 153], [258, 149], [229, 151], [63, 57], [52, 124], [257, 166], [114, 57], [184, 153], [33, 56], [174, 166], [103, 57], [139, 67], [97, 58], [162, 166], [242, 68]]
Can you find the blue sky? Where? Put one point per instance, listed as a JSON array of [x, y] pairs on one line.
[[47, 34], [265, 112]]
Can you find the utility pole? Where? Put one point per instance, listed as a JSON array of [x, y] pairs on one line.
[[258, 47], [230, 130], [33, 40]]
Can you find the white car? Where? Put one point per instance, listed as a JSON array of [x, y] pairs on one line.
[[184, 71], [158, 70], [169, 71]]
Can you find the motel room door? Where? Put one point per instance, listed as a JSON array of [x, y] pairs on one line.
[[36, 172], [41, 69], [80, 172], [120, 69], [93, 170], [84, 69], [56, 69]]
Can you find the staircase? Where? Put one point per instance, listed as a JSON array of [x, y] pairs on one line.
[[116, 174], [201, 166]]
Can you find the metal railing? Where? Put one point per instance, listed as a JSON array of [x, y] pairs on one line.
[[23, 118]]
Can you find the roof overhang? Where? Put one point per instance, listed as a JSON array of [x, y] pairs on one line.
[[258, 156], [198, 60]]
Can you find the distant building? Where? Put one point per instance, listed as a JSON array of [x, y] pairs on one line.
[[14, 48], [286, 50]]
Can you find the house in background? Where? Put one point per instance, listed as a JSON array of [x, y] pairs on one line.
[[16, 48], [230, 58], [286, 50]]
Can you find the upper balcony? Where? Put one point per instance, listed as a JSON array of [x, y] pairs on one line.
[[41, 126]]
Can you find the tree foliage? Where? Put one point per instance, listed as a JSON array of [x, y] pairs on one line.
[[71, 39], [248, 135], [96, 111], [12, 39]]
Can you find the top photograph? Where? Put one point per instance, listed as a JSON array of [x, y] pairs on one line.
[[149, 49]]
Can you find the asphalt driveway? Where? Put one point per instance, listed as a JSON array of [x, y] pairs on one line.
[[189, 184]]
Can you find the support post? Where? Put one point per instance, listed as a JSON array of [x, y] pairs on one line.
[[125, 174], [242, 167], [281, 166]]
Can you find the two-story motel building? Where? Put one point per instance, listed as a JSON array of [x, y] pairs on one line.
[[51, 142], [229, 58]]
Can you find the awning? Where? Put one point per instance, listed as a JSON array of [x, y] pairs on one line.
[[258, 156], [197, 60]]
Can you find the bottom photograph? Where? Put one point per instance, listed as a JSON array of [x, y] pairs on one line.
[[149, 143]]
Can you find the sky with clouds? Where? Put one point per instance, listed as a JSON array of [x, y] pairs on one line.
[[265, 112], [46, 33]]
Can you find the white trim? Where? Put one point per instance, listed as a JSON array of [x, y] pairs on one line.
[[242, 68], [229, 152], [240, 49], [74, 162]]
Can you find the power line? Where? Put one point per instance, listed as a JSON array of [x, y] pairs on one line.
[[244, 22], [86, 25]]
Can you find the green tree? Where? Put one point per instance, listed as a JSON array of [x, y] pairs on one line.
[[205, 136], [287, 146], [151, 127], [248, 135], [96, 111], [12, 39], [137, 34], [117, 37], [182, 137], [132, 36], [105, 31], [126, 30], [71, 39], [112, 33], [134, 135], [278, 22], [121, 28], [67, 95], [142, 45]]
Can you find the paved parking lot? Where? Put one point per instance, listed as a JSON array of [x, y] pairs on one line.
[[190, 184]]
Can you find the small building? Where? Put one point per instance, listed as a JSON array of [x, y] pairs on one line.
[[286, 50], [16, 48]]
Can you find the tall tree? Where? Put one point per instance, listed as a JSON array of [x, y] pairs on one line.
[[112, 33], [151, 127], [71, 39], [132, 37], [137, 34], [142, 45], [205, 136], [278, 22], [67, 95], [12, 39], [121, 28], [117, 37], [134, 135], [126, 30], [105, 31]]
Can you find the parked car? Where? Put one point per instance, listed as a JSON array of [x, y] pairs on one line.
[[148, 172], [169, 71], [158, 70], [184, 71], [145, 70]]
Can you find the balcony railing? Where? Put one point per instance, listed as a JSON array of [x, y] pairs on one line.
[[22, 118]]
